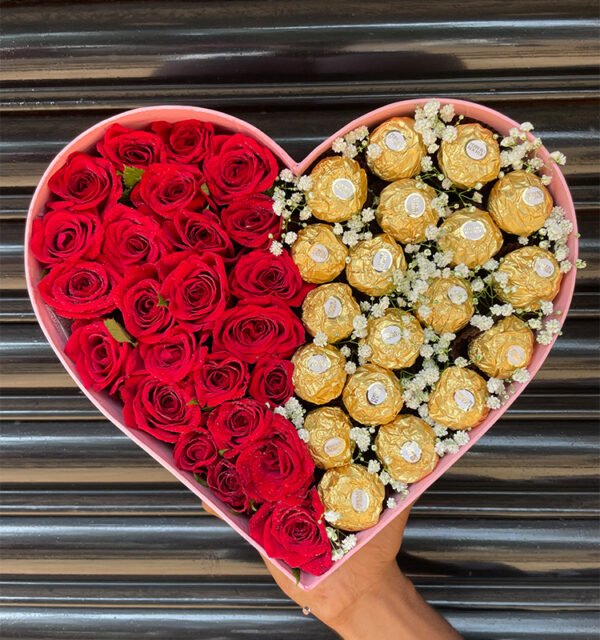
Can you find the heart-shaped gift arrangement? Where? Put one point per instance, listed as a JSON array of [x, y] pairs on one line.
[[307, 347]]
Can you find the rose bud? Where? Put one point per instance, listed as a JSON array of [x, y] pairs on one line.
[[224, 481], [195, 450], [271, 381], [187, 141], [251, 221], [171, 358], [131, 147], [199, 231], [220, 377]]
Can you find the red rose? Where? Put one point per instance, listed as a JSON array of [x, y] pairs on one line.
[[220, 377], [224, 481], [145, 312], [99, 359], [171, 358], [188, 141], [130, 237], [238, 166], [196, 289], [131, 147], [163, 410], [261, 274], [251, 221], [79, 290], [252, 331], [271, 381], [294, 531], [85, 182], [235, 423], [200, 231], [276, 466], [166, 188], [63, 235], [195, 450]]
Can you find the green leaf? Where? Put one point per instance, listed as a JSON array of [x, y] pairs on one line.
[[117, 331], [193, 403], [253, 505], [200, 480], [131, 176], [44, 273], [296, 573], [222, 451], [205, 189], [161, 301]]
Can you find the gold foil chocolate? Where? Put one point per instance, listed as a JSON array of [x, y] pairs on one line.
[[401, 150], [354, 494], [319, 254], [330, 309], [329, 441], [474, 156], [532, 276], [446, 305], [372, 264], [339, 189], [503, 349], [519, 203], [395, 339], [406, 448], [404, 211], [372, 395], [471, 236], [459, 399], [319, 374]]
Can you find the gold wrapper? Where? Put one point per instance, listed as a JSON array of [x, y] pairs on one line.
[[339, 189], [372, 395], [329, 437], [319, 374], [395, 339], [446, 305], [354, 494], [401, 150], [459, 399], [503, 349], [520, 203], [331, 309], [319, 254], [472, 237], [404, 211], [474, 156], [406, 448], [533, 275], [372, 265]]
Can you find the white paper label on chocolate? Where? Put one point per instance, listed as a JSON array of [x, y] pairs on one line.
[[464, 399], [334, 446], [319, 253], [476, 149], [414, 205], [457, 294], [395, 140], [391, 334], [516, 355], [359, 499], [411, 451], [533, 196], [473, 230], [376, 393], [333, 307], [543, 267], [382, 260], [318, 363], [343, 188]]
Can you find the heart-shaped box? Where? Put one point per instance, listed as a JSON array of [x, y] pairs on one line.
[[56, 333]]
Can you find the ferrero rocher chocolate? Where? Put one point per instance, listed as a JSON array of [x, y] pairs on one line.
[[471, 236], [532, 276], [400, 150], [329, 441], [339, 189], [404, 211], [472, 157], [372, 265], [395, 339], [459, 399], [503, 349], [354, 494], [372, 395], [330, 309], [319, 374], [519, 203], [319, 254], [406, 447], [446, 305]]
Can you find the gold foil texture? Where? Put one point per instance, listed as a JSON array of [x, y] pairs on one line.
[[319, 254], [395, 339], [329, 441], [319, 374], [446, 305], [330, 309]]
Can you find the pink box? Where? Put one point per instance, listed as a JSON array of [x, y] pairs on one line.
[[137, 118]]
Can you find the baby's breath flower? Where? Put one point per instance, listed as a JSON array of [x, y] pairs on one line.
[[339, 145], [286, 175], [391, 503], [374, 466], [493, 402], [290, 237], [320, 339], [426, 163], [362, 437], [447, 112], [303, 435], [348, 543], [345, 351], [461, 438], [350, 368], [521, 375], [276, 248], [559, 157], [374, 151], [461, 362]]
